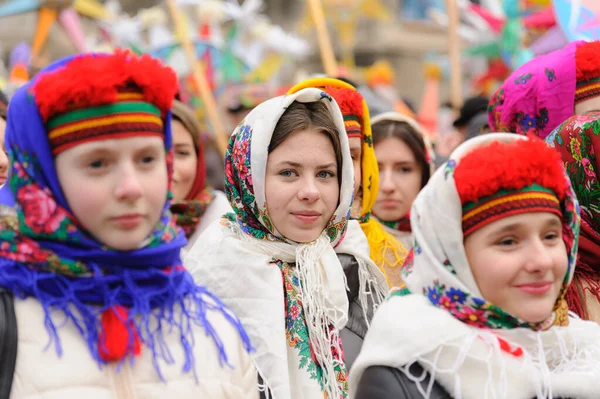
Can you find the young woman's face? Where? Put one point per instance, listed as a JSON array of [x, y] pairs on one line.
[[399, 179], [301, 185], [185, 165], [116, 188], [3, 156], [355, 144], [519, 263]]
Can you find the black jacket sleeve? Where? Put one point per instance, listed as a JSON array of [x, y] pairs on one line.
[[380, 382]]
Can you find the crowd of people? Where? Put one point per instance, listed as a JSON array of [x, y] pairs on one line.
[[340, 257]]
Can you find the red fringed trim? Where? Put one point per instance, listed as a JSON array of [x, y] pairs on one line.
[[587, 61], [92, 80], [349, 101], [509, 166]]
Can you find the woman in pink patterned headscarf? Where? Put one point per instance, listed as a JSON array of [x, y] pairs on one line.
[[546, 91]]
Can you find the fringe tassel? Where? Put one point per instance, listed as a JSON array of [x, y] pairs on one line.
[[386, 251], [370, 293], [317, 309]]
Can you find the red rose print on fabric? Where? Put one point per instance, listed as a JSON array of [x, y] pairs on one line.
[[40, 211]]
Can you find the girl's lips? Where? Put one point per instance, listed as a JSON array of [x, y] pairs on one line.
[[128, 221], [390, 204], [539, 288], [306, 217]]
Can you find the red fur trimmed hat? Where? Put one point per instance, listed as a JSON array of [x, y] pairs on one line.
[[351, 105], [504, 179], [587, 62], [97, 96]]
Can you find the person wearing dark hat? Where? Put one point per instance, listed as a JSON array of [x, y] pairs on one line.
[[3, 157], [471, 108]]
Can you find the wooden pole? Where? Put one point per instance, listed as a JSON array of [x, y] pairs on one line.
[[454, 52], [327, 55], [200, 78]]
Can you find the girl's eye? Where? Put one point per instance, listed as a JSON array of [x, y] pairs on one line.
[[287, 173], [148, 159], [551, 236], [507, 242], [403, 169], [183, 153], [325, 174], [97, 164]]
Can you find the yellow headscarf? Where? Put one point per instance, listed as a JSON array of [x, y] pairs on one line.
[[386, 251]]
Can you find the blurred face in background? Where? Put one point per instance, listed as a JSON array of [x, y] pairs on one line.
[[185, 164], [400, 178]]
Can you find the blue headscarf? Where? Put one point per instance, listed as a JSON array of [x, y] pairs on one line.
[[52, 258]]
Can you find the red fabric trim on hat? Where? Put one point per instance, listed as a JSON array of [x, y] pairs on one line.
[[510, 166], [587, 61]]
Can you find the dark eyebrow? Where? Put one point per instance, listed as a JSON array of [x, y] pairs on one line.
[[297, 165]]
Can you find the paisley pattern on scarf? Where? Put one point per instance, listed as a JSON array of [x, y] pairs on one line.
[[297, 332]]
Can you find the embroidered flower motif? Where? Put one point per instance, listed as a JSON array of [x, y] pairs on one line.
[[297, 333], [40, 211], [542, 119], [407, 266], [469, 309], [447, 302], [588, 168], [434, 295], [472, 316], [294, 312], [550, 74], [449, 266], [457, 295], [528, 122], [523, 79], [575, 149], [449, 169]]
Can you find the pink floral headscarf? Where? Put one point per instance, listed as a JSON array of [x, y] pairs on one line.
[[538, 96]]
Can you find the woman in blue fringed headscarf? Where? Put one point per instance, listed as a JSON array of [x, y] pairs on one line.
[[104, 304]]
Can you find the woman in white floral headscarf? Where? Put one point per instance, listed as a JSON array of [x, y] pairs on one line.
[[289, 179], [495, 246]]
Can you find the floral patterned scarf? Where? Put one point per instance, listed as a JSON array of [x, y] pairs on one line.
[[291, 297], [76, 279], [578, 143], [188, 213], [538, 96], [473, 348]]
